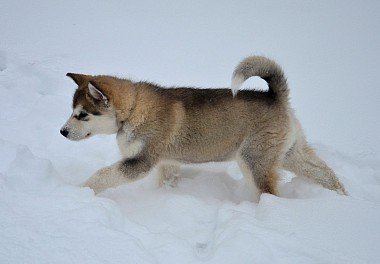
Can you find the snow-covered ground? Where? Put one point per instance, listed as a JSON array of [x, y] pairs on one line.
[[329, 50]]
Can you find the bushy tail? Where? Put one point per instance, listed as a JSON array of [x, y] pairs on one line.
[[265, 68]]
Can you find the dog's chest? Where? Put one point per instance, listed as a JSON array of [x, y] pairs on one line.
[[129, 145]]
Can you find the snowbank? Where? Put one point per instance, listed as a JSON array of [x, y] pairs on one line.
[[205, 219]]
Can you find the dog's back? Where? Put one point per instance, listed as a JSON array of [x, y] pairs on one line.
[[215, 124]]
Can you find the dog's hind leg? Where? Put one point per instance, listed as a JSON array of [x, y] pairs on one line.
[[259, 167], [302, 160]]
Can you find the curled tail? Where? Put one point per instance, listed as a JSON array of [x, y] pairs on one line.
[[265, 68]]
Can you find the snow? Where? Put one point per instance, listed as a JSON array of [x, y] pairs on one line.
[[329, 51]]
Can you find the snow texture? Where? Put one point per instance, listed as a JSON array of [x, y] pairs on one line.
[[329, 51]]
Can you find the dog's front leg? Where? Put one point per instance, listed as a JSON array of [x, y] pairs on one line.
[[121, 172]]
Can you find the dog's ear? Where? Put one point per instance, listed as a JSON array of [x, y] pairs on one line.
[[96, 92], [79, 79]]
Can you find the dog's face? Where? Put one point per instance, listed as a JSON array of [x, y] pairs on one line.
[[93, 112]]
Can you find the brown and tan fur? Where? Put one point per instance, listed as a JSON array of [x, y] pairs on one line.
[[172, 126]]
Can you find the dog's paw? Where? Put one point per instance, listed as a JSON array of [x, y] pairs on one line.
[[98, 181], [93, 186], [169, 176], [171, 182]]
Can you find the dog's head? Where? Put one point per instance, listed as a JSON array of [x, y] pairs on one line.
[[93, 111]]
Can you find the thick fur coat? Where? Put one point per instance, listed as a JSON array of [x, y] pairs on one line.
[[166, 127]]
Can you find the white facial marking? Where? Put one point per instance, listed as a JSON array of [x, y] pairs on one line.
[[93, 124]]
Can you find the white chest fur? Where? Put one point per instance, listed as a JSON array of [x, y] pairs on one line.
[[129, 145]]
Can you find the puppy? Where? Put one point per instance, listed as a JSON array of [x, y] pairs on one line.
[[172, 126]]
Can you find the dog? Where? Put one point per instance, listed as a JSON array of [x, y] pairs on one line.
[[167, 127]]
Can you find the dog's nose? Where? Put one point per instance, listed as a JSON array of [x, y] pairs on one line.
[[64, 132]]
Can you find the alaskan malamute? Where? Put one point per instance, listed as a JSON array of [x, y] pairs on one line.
[[172, 126]]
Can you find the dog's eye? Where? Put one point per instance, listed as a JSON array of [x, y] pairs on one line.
[[82, 115]]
